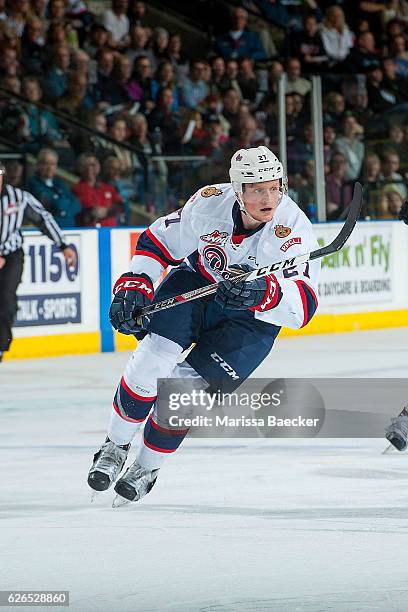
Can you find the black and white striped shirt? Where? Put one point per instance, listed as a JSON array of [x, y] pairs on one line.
[[16, 205]]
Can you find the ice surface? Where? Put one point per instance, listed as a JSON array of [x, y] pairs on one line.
[[242, 525]]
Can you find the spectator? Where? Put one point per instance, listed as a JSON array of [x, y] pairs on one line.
[[308, 47], [14, 172], [55, 82], [138, 44], [299, 110], [247, 134], [56, 35], [18, 12], [39, 8], [247, 80], [32, 53], [97, 39], [101, 205], [214, 144], [363, 56], [136, 12], [336, 36], [398, 51], [398, 85], [395, 138], [77, 100], [300, 150], [56, 10], [306, 189], [9, 63], [194, 89], [274, 74], [159, 46], [240, 41], [391, 204], [232, 71], [39, 127], [380, 98], [113, 175], [126, 88], [151, 175], [165, 77], [351, 147], [52, 191], [116, 22], [192, 132], [104, 75], [175, 55], [84, 66], [142, 73], [389, 172], [119, 132], [295, 83], [370, 177], [219, 80], [338, 190], [329, 137], [166, 122], [358, 104], [334, 106], [230, 111]]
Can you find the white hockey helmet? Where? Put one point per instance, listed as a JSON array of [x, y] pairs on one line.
[[255, 166]]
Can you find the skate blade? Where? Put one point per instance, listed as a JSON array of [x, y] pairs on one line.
[[120, 501], [94, 496], [387, 450]]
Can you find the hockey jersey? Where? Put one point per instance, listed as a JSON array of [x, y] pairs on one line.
[[205, 234]]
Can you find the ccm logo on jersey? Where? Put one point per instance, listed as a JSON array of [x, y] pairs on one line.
[[281, 231], [286, 245], [216, 237], [133, 284], [225, 366], [207, 192]]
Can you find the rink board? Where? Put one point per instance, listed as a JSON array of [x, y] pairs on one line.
[[61, 311]]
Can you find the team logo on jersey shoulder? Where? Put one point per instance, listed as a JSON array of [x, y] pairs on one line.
[[216, 237], [286, 245], [208, 192], [281, 231]]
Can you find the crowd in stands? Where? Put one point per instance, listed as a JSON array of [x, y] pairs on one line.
[[145, 95]]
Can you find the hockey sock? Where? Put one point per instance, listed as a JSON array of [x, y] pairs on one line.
[[158, 443], [129, 411]]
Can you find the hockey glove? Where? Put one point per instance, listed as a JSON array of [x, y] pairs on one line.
[[260, 294], [403, 213], [397, 432], [131, 293]]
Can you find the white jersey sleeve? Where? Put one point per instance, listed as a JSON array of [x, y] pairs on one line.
[[297, 300], [165, 243]]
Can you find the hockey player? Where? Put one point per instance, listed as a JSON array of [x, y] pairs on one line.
[[247, 223]]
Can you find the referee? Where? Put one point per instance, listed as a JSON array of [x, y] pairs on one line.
[[16, 205]]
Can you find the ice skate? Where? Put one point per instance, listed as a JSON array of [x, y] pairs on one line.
[[397, 432], [136, 482], [107, 465]]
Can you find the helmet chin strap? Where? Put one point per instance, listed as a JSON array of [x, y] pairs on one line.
[[243, 209]]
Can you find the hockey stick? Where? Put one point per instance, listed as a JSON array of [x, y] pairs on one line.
[[404, 412], [336, 245]]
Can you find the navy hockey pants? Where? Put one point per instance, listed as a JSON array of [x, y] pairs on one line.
[[230, 344]]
